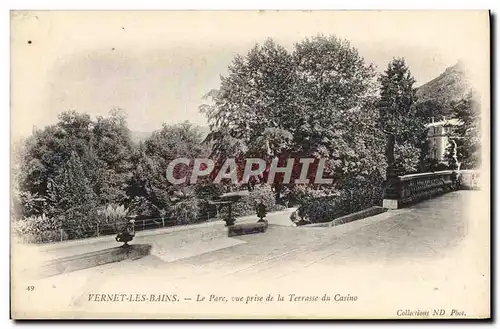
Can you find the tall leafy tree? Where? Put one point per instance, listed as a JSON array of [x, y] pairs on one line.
[[317, 101], [149, 190], [468, 112], [46, 153], [335, 114], [102, 146], [72, 200], [248, 114], [109, 155], [399, 116]]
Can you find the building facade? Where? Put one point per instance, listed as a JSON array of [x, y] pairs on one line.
[[439, 134]]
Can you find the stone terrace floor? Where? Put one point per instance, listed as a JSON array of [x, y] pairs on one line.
[[424, 250]]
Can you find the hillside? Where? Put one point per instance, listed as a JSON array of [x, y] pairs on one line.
[[436, 95], [451, 85]]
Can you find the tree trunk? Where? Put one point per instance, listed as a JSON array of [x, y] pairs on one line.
[[277, 190], [391, 189], [389, 151], [424, 149]]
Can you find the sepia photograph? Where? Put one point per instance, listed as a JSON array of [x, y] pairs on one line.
[[252, 164]]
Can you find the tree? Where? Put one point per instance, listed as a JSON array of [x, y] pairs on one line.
[[150, 192], [254, 97], [315, 102], [69, 170], [407, 157], [72, 199], [109, 156], [47, 150], [399, 118], [336, 117], [333, 83], [103, 146], [468, 111]]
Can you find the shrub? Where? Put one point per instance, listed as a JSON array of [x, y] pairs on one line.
[[112, 216], [354, 194], [38, 229], [79, 223], [185, 211], [143, 207], [113, 213], [362, 192], [247, 204], [206, 191], [322, 209], [299, 194], [263, 194], [431, 165]]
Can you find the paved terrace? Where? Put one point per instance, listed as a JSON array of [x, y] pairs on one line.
[[426, 249]]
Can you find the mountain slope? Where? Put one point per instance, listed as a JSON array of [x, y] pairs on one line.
[[452, 85]]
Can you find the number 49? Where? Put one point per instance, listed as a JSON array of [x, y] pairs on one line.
[[30, 288]]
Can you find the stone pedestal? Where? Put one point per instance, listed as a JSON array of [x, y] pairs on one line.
[[390, 204], [392, 189]]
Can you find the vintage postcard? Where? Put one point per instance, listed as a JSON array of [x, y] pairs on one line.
[[250, 165]]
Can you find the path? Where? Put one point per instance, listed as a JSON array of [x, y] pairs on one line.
[[424, 250]]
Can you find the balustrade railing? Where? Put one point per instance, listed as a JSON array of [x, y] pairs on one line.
[[412, 188], [469, 179]]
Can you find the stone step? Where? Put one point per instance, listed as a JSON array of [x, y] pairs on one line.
[[193, 249], [92, 259], [247, 228]]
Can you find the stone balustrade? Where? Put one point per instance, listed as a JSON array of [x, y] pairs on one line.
[[409, 189], [469, 179]]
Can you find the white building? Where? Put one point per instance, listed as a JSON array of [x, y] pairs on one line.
[[438, 135]]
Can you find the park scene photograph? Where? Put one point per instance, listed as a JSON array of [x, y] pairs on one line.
[[250, 165]]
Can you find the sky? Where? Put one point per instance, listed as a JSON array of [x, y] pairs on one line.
[[157, 65]]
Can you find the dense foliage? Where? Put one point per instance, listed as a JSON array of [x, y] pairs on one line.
[[400, 118], [149, 191], [68, 170], [247, 205], [318, 100], [468, 133]]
